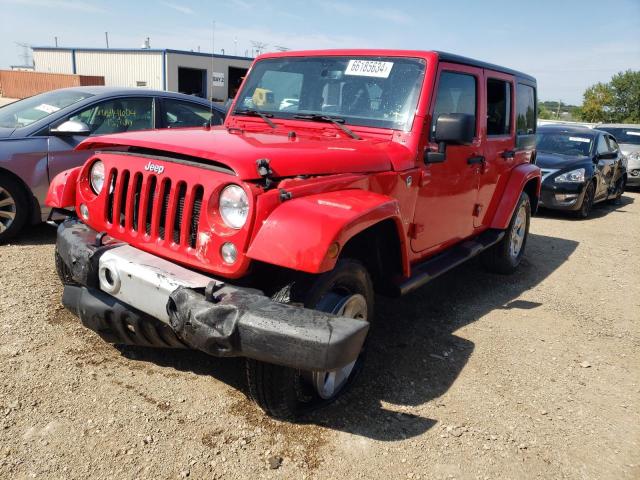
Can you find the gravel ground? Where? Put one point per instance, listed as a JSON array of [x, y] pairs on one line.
[[475, 376]]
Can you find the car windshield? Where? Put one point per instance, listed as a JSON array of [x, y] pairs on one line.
[[624, 135], [372, 91], [564, 143], [24, 112]]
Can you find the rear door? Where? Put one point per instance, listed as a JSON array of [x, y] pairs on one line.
[[448, 191], [180, 114], [499, 145]]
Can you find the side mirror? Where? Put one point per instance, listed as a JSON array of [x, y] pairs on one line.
[[606, 156], [71, 127], [454, 129]]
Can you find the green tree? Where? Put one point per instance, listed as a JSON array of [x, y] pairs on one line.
[[597, 104], [625, 87], [543, 112]]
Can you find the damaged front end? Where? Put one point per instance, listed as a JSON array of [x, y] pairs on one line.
[[131, 297]]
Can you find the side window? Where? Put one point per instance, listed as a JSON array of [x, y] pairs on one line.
[[498, 107], [602, 145], [118, 115], [526, 110], [456, 94], [179, 114]]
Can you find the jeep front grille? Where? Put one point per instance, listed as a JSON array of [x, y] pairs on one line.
[[161, 208]]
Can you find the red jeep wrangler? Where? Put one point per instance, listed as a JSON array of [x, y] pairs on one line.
[[337, 174]]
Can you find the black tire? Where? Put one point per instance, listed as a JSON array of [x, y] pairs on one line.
[[12, 191], [284, 392], [499, 258], [587, 201]]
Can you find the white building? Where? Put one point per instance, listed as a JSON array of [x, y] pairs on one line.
[[174, 70]]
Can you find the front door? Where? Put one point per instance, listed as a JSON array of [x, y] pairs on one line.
[[110, 116], [605, 165], [448, 191]]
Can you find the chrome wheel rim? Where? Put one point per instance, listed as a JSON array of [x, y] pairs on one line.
[[518, 232], [328, 383], [7, 209]]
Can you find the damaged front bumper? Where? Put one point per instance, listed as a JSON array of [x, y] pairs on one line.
[[169, 306]]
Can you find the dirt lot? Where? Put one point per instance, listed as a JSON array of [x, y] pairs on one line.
[[476, 376]]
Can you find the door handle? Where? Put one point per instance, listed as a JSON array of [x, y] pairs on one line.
[[507, 154], [476, 160]]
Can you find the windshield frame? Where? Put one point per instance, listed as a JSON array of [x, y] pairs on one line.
[[416, 91], [28, 105], [592, 142]]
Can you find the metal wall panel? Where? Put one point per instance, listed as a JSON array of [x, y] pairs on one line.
[[53, 61], [122, 69]]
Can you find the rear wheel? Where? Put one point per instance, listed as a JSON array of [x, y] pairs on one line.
[[587, 201], [505, 256], [14, 208], [284, 392]]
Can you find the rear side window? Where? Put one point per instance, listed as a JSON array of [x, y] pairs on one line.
[[498, 107], [526, 110], [456, 94]]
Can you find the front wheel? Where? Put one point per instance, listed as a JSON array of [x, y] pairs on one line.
[[14, 208], [505, 256], [284, 392], [587, 201]]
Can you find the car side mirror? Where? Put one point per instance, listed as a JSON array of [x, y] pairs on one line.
[[71, 127], [606, 156], [452, 129]]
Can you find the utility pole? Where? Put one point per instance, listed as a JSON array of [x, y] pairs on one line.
[[558, 114], [55, 40], [258, 47], [106, 38]]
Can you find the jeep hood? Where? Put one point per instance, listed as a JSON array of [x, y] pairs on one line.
[[321, 152]]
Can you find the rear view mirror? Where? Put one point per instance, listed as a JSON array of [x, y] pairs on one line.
[[606, 156], [71, 127], [454, 129]]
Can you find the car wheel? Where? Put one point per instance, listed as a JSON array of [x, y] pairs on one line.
[[587, 201], [14, 208], [284, 392], [505, 256]]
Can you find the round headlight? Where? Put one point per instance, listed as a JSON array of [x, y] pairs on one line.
[[96, 176], [234, 206]]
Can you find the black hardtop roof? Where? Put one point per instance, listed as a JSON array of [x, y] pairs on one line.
[[453, 58]]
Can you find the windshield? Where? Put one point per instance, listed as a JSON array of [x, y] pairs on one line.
[[564, 143], [624, 135], [373, 91], [24, 112]]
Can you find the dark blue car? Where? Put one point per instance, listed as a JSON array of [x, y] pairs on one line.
[[38, 136], [580, 167]]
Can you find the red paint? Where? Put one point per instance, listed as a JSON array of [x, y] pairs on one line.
[[62, 191], [334, 187]]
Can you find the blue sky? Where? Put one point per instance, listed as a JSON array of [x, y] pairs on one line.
[[568, 45]]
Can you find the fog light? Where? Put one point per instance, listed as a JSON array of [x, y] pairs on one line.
[[84, 211], [229, 252], [566, 197]]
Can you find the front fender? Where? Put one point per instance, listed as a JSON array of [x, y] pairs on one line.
[[62, 191], [299, 232], [519, 178]]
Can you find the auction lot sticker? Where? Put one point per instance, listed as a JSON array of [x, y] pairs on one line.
[[369, 68]]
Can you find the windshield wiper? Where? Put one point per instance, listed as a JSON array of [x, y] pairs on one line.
[[337, 121], [256, 113]]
